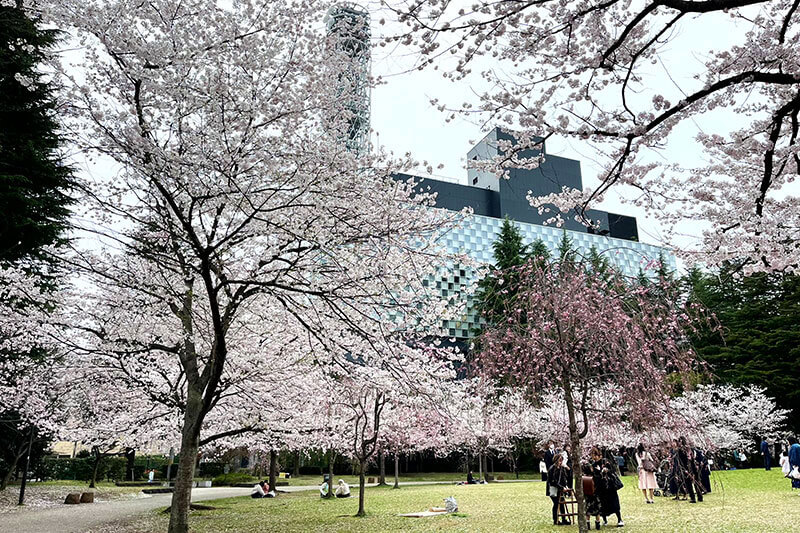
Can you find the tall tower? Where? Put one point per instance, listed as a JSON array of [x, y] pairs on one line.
[[349, 24]]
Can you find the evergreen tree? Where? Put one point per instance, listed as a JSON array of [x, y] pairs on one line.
[[499, 284], [34, 181], [760, 338]]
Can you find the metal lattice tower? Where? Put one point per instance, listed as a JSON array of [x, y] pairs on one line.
[[349, 23]]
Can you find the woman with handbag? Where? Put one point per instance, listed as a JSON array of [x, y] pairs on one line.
[[609, 484], [646, 469], [558, 479]]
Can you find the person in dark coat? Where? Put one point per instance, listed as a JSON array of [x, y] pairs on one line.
[[558, 479], [548, 457], [703, 471], [688, 471], [675, 485], [766, 454], [607, 484]]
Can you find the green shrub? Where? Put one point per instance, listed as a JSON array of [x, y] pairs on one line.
[[232, 478], [211, 469]]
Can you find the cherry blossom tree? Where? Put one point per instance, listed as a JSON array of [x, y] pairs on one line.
[[726, 417], [615, 74], [238, 235], [576, 332]]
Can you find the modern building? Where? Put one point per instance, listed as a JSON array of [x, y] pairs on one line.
[[348, 23], [491, 199]]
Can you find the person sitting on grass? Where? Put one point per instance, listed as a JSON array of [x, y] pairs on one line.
[[260, 490], [471, 479], [342, 490]]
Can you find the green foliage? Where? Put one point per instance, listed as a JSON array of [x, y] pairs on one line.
[[233, 478], [33, 179], [498, 287], [80, 469], [760, 340], [210, 469]]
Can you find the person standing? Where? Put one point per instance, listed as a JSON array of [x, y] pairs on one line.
[[703, 471], [607, 487], [548, 458], [591, 481], [688, 470], [646, 470], [766, 454], [558, 478], [794, 460]]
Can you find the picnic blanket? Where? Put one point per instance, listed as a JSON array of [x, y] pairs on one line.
[[423, 514]]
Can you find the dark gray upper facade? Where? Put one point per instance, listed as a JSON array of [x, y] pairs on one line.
[[498, 198]]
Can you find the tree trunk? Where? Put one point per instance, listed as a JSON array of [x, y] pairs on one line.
[[331, 460], [273, 470], [296, 465], [396, 471], [361, 480], [182, 492], [576, 453], [491, 466], [12, 469], [130, 455], [382, 462], [480, 466], [93, 482]]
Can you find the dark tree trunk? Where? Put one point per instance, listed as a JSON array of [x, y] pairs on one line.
[[382, 475], [12, 469], [130, 455], [96, 465], [273, 469], [190, 443], [296, 465], [480, 466], [361, 480], [575, 442], [331, 460], [396, 471]]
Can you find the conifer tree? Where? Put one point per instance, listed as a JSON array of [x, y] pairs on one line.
[[34, 181]]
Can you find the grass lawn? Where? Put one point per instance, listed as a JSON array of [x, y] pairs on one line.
[[742, 501], [405, 478]]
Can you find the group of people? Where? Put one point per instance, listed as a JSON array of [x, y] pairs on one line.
[[342, 489], [600, 483], [689, 472]]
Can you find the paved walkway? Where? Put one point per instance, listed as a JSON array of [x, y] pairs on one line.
[[80, 518]]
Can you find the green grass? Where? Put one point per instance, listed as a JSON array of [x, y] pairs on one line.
[[405, 478], [743, 501]]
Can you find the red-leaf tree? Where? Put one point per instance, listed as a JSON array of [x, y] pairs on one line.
[[574, 331]]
